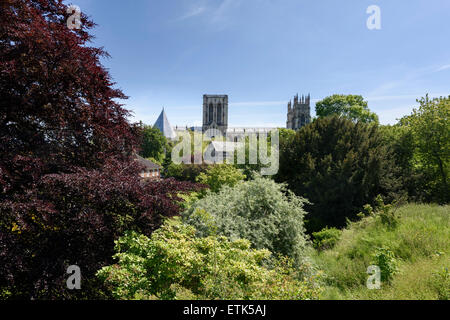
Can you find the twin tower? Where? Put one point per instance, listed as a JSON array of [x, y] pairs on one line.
[[299, 113], [215, 113]]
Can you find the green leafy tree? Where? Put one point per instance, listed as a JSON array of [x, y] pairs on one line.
[[399, 139], [430, 125], [286, 134], [339, 166], [251, 167], [154, 144], [221, 175], [176, 264], [350, 106], [259, 210]]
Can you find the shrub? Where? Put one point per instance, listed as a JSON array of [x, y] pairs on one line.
[[386, 213], [441, 283], [183, 172], [327, 238], [385, 259], [175, 264], [220, 175], [260, 210]]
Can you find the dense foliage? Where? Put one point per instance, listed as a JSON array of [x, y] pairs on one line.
[[352, 107], [326, 238], [220, 175], [183, 172], [176, 264], [339, 166], [400, 141], [259, 210], [68, 183], [430, 127], [153, 143]]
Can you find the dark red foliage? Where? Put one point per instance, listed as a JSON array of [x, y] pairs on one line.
[[68, 183]]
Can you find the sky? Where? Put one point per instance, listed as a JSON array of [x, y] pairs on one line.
[[169, 53]]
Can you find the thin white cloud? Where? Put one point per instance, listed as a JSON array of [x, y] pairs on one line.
[[193, 12], [224, 8], [215, 13], [444, 67]]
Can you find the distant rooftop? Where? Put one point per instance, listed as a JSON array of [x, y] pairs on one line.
[[164, 126], [149, 165]]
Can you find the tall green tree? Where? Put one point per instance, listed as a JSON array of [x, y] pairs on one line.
[[350, 106], [154, 144], [339, 166], [400, 140], [430, 125]]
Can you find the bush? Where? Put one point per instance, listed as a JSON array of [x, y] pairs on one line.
[[327, 238], [220, 175], [183, 172], [441, 282], [386, 213], [385, 259], [339, 166], [175, 264], [260, 210]]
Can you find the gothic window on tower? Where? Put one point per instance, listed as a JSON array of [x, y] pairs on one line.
[[219, 114], [211, 112]]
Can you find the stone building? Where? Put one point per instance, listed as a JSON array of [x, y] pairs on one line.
[[150, 169], [299, 113], [215, 113]]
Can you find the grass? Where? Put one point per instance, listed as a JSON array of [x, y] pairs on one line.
[[420, 243]]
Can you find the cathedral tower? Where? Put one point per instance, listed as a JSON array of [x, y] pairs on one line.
[[215, 113], [299, 113]]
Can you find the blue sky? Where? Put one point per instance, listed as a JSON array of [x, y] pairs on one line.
[[262, 52]]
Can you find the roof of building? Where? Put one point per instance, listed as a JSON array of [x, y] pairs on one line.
[[149, 165], [164, 126]]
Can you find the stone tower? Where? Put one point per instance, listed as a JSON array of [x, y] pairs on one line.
[[215, 113], [299, 113]]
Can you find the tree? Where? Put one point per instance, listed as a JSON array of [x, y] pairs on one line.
[[220, 175], [154, 144], [339, 166], [259, 210], [399, 139], [430, 125], [68, 183], [350, 106]]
